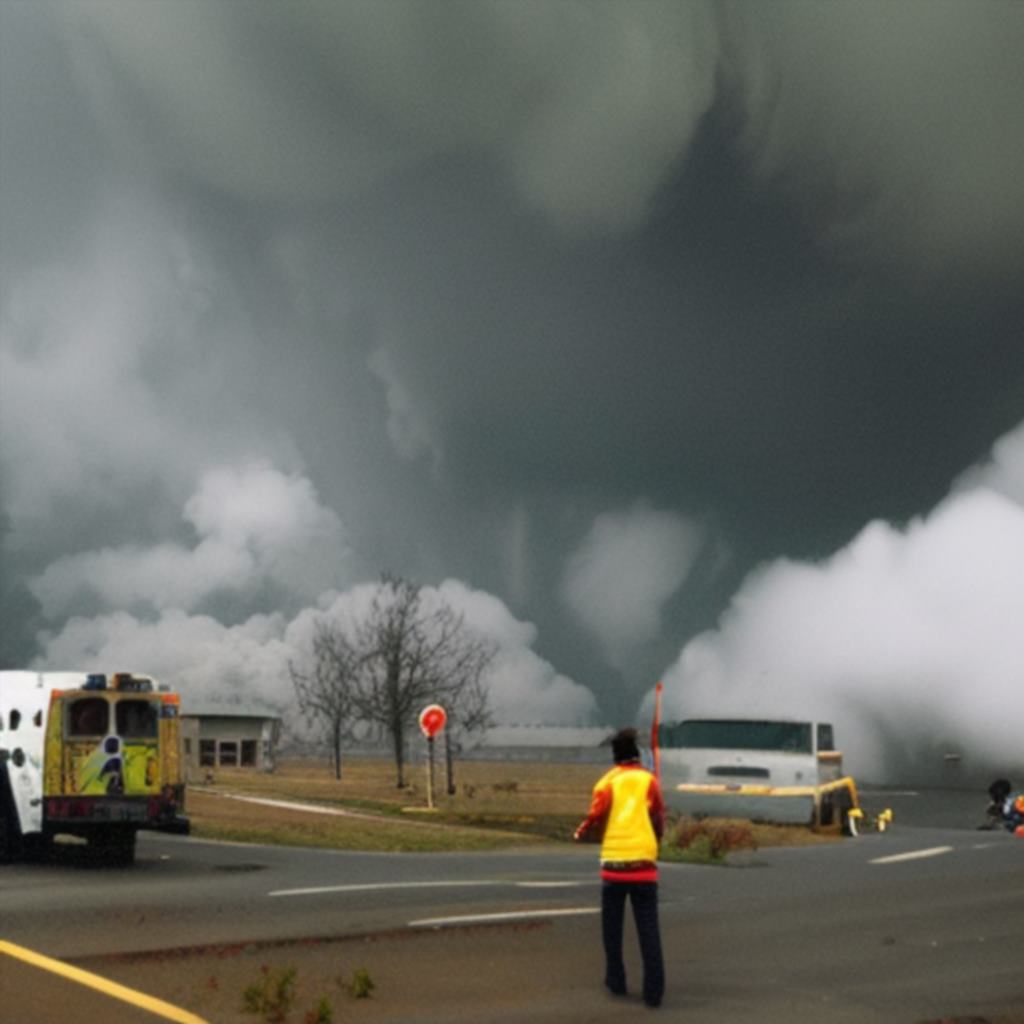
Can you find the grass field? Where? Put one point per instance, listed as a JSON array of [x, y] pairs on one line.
[[497, 805]]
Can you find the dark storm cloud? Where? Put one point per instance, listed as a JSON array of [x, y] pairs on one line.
[[485, 279]]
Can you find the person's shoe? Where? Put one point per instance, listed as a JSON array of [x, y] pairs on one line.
[[617, 989]]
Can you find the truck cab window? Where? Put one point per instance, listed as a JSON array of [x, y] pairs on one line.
[[137, 719], [89, 717]]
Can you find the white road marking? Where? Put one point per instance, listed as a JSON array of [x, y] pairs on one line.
[[895, 858], [383, 886], [552, 885], [290, 805], [371, 886], [511, 915]]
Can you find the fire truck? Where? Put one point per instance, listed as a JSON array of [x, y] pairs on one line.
[[91, 756]]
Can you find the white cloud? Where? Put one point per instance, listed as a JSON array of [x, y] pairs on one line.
[[255, 525], [1003, 471], [523, 687], [628, 566], [199, 656], [206, 659]]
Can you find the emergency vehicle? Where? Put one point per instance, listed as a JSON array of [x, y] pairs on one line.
[[88, 755]]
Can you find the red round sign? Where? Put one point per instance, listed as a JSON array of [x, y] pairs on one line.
[[432, 719]]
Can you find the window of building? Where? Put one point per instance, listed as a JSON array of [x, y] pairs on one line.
[[208, 753], [228, 753], [188, 746], [14, 720], [89, 716], [248, 753]]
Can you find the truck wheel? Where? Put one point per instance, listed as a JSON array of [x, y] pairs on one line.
[[9, 837], [35, 847], [10, 830]]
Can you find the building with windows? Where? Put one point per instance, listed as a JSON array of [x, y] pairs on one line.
[[228, 736]]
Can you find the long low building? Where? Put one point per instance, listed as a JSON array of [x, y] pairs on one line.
[[530, 742]]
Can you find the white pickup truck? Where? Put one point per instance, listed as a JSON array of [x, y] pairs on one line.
[[766, 770]]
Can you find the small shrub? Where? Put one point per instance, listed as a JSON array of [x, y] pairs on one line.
[[361, 984], [703, 841], [271, 996], [320, 1014]]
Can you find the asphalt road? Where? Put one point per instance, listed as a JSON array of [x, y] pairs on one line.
[[920, 923]]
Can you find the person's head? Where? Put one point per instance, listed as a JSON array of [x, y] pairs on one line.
[[624, 746], [999, 790]]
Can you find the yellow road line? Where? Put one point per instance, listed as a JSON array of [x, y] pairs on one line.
[[110, 988]]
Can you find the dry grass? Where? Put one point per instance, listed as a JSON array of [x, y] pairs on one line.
[[481, 786], [496, 805], [216, 817]]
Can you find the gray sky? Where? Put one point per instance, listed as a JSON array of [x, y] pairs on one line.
[[608, 314]]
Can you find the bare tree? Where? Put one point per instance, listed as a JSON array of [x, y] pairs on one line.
[[413, 653], [326, 694]]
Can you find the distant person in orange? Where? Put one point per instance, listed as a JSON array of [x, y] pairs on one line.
[[628, 812]]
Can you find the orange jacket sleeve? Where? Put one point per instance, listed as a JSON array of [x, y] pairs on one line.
[[600, 804]]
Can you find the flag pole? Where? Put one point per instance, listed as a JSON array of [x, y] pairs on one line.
[[655, 722]]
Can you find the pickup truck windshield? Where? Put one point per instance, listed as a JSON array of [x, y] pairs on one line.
[[710, 734]]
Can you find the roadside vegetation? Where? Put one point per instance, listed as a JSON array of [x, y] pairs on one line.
[[273, 994], [497, 805]]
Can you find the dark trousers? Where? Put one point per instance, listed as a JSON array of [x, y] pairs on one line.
[[644, 897]]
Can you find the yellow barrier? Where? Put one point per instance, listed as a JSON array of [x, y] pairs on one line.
[[816, 793]]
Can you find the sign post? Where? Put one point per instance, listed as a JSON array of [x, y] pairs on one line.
[[432, 720]]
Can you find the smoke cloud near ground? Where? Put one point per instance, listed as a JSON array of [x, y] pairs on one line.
[[648, 321], [907, 639]]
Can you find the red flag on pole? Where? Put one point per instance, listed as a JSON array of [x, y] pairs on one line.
[[655, 722]]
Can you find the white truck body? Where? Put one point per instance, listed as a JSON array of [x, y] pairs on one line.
[[24, 706], [752, 768]]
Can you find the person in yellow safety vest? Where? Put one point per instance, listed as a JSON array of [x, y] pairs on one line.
[[628, 811]]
